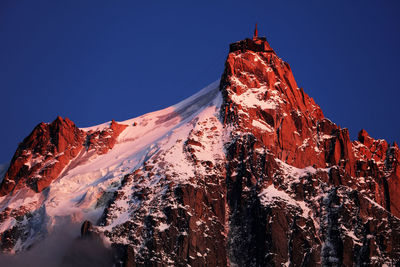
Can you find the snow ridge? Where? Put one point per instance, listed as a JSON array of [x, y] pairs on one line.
[[83, 191]]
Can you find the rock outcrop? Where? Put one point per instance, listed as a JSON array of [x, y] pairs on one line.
[[299, 190], [43, 155], [49, 149], [49, 152]]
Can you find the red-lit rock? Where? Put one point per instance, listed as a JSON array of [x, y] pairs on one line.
[[104, 140], [264, 105], [43, 155]]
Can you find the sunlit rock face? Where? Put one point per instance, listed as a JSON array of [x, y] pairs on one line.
[[247, 172], [48, 151], [300, 192]]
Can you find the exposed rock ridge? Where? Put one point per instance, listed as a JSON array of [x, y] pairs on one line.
[[300, 175], [45, 155], [49, 149]]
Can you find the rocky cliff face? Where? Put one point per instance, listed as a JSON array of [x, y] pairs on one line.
[[248, 172], [299, 190], [45, 155], [49, 149]]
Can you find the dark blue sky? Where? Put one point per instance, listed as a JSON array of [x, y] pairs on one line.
[[93, 61]]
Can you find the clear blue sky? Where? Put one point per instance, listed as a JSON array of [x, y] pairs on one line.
[[93, 61]]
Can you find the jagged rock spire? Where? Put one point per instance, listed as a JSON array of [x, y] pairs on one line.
[[255, 35]]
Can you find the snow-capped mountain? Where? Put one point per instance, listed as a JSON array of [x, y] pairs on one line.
[[247, 172]]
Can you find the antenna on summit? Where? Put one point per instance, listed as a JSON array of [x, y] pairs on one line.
[[255, 35]]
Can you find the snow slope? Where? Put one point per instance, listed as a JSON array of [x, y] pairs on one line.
[[83, 191]]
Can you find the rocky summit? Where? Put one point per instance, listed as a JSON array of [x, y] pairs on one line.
[[247, 172]]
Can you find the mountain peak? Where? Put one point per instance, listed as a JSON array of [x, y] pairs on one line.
[[247, 173]]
